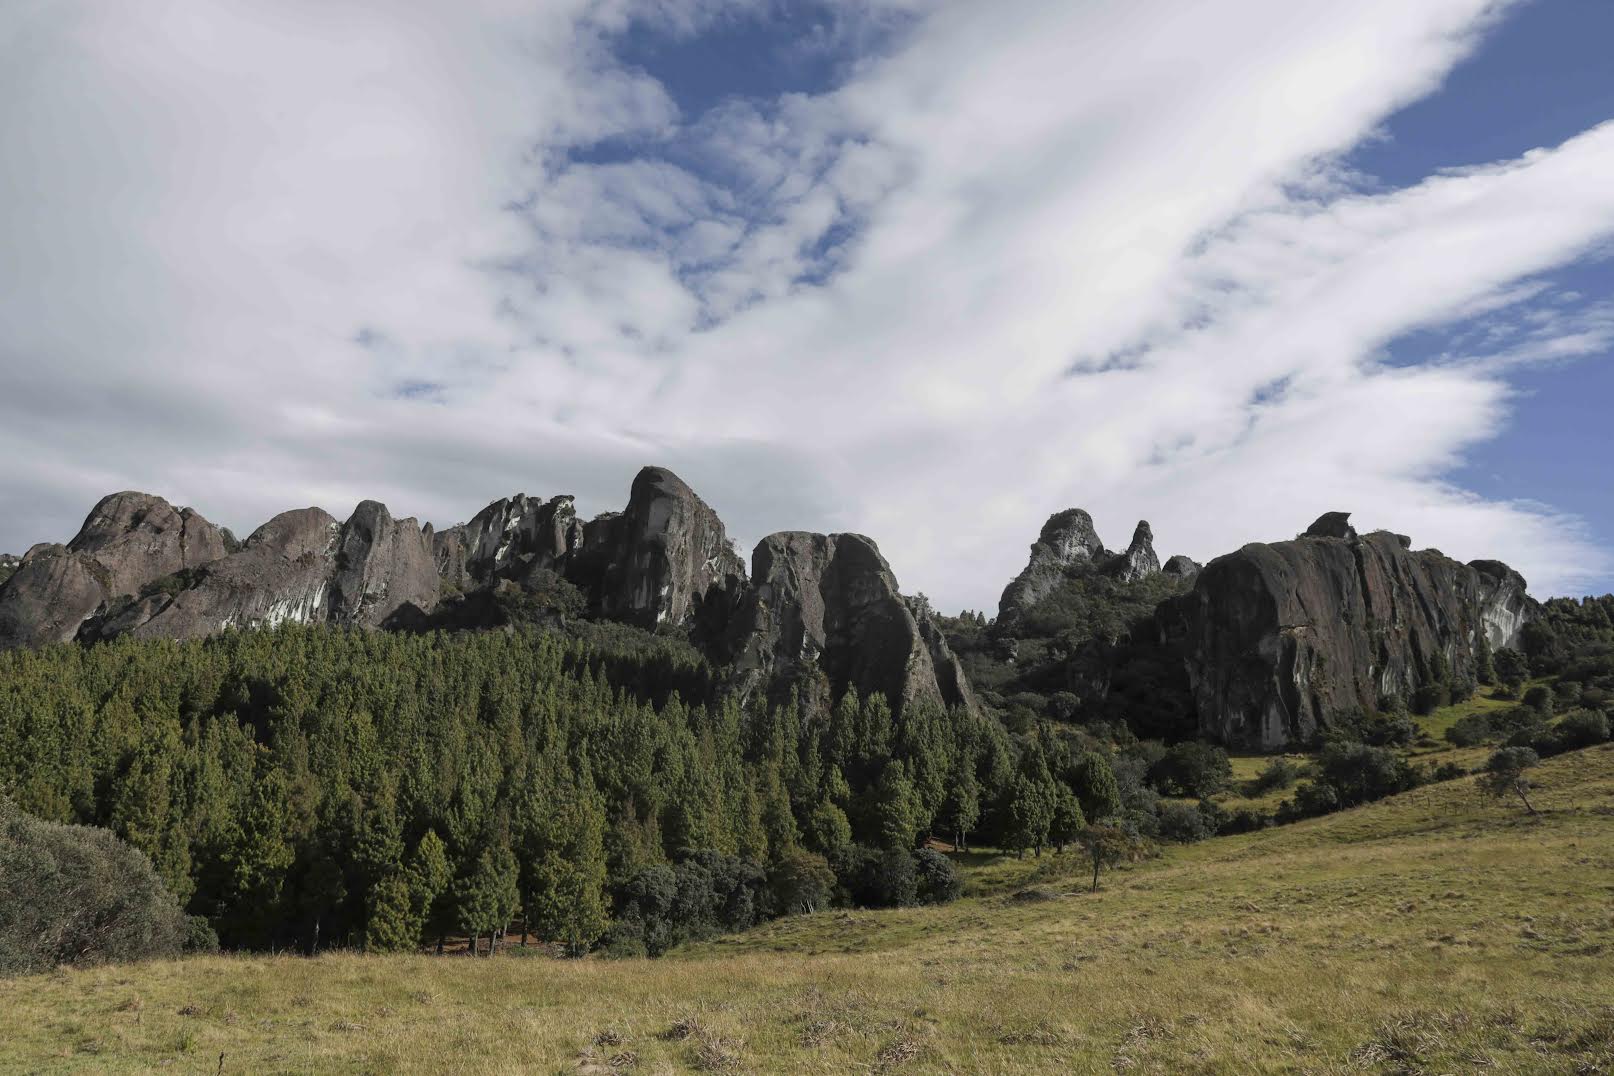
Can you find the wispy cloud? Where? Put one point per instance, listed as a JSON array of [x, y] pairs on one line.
[[389, 250]]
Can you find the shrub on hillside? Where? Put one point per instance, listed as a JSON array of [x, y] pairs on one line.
[[1583, 728], [937, 880], [1470, 731], [76, 894], [877, 878], [1192, 769], [1539, 699], [1183, 823], [1278, 774]]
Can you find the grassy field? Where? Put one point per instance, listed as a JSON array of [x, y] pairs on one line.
[[1435, 932]]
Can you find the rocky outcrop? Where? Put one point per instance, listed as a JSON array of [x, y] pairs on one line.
[[382, 566], [664, 557], [829, 602], [1067, 541], [508, 539], [1181, 567], [282, 574], [1282, 640], [1139, 561], [136, 538], [1069, 546], [128, 541]]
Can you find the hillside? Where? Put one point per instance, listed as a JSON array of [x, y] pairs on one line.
[[1435, 931]]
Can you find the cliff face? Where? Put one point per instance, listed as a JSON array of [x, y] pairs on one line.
[[1281, 640], [824, 603], [663, 556], [127, 541], [830, 602]]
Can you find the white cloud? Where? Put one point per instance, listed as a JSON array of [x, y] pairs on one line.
[[239, 229]]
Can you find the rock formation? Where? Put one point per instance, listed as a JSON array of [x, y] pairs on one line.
[[665, 553], [1282, 640], [830, 602], [1139, 561], [1067, 546], [128, 541], [1181, 567], [507, 539]]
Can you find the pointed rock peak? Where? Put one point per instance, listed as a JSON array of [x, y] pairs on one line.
[[1331, 525], [1139, 561]]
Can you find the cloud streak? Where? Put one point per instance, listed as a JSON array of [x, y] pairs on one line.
[[1023, 258]]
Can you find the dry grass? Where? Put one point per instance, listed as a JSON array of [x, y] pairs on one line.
[[1435, 932]]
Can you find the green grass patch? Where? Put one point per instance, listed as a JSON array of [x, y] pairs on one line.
[[1437, 931]]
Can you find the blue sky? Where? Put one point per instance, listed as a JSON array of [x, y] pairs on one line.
[[930, 271], [1542, 76]]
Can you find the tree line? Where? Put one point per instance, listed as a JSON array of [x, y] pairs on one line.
[[308, 787]]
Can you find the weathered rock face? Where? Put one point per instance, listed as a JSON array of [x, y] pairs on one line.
[[283, 573], [1139, 561], [136, 538], [128, 541], [830, 601], [508, 539], [1181, 567], [1067, 540], [663, 556], [1067, 546], [1281, 640], [9, 563], [382, 566], [52, 593]]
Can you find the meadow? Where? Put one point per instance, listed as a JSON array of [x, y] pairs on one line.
[[1438, 931]]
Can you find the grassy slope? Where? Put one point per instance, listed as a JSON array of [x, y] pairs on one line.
[[1433, 932]]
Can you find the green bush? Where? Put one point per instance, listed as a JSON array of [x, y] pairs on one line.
[[78, 895], [1470, 731], [1583, 728], [938, 881]]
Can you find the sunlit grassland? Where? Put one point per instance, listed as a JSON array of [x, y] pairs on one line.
[[1437, 931]]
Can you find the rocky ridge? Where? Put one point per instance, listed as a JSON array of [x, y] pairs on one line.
[[825, 604]]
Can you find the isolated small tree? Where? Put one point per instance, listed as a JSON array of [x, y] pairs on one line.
[[1539, 699], [1106, 846], [1504, 774]]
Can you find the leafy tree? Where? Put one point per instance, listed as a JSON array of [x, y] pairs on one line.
[[1512, 670], [76, 894], [1504, 774], [1193, 769], [1066, 822], [564, 849], [936, 880], [1095, 785], [486, 899], [801, 882], [1106, 846]]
